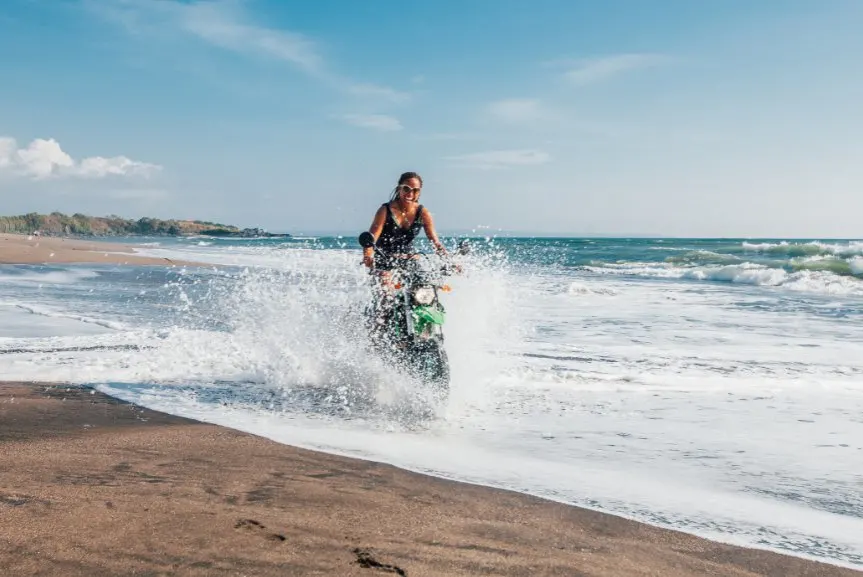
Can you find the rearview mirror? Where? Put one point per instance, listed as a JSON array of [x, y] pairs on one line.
[[367, 240]]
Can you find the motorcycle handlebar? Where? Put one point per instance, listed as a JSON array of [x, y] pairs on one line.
[[366, 240]]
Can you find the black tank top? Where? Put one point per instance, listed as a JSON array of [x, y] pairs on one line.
[[395, 239]]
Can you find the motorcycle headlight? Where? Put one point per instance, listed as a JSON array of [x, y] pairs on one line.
[[424, 295]]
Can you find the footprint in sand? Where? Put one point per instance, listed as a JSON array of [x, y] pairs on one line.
[[365, 560], [257, 526]]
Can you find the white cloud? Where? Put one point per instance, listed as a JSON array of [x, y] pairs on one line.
[[380, 122], [451, 136], [502, 158], [593, 70], [517, 110], [43, 159], [227, 25], [382, 92], [39, 160], [98, 167], [221, 23], [7, 149]]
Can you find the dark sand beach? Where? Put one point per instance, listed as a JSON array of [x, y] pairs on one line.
[[91, 486]]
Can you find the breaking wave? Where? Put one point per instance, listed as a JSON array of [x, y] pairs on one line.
[[20, 274], [48, 312], [813, 248], [819, 279]]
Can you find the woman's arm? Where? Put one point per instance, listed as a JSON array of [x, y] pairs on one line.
[[376, 228], [428, 225]]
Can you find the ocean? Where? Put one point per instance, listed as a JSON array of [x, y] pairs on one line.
[[713, 386]]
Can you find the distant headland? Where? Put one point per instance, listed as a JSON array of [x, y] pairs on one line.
[[59, 224]]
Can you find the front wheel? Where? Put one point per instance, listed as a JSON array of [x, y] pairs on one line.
[[432, 366]]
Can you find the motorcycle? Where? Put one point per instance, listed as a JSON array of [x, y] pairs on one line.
[[406, 317]]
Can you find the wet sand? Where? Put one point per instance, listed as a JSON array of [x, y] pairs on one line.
[[23, 249], [91, 486]]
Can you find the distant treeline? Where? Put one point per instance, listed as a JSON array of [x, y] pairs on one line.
[[59, 224]]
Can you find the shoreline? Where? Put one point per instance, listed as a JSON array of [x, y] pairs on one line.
[[29, 249], [95, 486]]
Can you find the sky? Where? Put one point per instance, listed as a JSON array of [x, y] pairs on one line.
[[732, 118]]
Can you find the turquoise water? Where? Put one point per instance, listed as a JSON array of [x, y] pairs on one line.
[[709, 385], [843, 257]]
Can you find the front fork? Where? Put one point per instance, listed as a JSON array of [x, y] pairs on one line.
[[387, 322]]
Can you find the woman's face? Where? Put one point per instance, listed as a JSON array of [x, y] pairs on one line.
[[409, 190]]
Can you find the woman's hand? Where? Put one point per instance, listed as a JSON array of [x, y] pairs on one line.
[[375, 230]]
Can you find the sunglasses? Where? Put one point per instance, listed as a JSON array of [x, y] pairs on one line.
[[408, 189]]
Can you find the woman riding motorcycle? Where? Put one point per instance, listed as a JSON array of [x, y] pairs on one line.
[[397, 223], [395, 226]]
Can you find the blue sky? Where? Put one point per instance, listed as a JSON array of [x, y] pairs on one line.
[[731, 118]]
